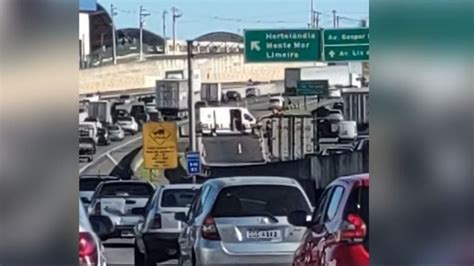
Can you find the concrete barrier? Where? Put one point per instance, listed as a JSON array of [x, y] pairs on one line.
[[215, 68]]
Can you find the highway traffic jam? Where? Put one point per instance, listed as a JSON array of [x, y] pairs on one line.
[[232, 220]]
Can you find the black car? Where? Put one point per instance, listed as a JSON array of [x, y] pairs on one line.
[[103, 135], [139, 113], [233, 96], [87, 148]]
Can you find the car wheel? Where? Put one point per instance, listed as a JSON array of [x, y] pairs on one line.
[[138, 257]]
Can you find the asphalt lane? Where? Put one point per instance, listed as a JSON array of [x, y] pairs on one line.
[[120, 252], [232, 150]]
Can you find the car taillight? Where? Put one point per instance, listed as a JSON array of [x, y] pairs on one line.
[[156, 222], [87, 249], [354, 230], [209, 229], [97, 208]]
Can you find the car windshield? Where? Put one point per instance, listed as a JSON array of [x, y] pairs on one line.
[[177, 197], [255, 200], [274, 100], [86, 140], [113, 127], [126, 190], [136, 109], [125, 119]]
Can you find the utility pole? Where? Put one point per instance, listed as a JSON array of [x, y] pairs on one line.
[[176, 14], [363, 23], [142, 14], [337, 21], [114, 48], [316, 18], [334, 18], [164, 23], [192, 116], [312, 14]]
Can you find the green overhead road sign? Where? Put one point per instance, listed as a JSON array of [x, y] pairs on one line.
[[282, 45], [346, 44], [312, 87]]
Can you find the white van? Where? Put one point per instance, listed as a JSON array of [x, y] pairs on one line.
[[225, 120]]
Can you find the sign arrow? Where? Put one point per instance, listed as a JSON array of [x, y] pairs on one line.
[[332, 53], [255, 45]]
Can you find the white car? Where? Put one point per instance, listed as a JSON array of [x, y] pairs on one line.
[[276, 103], [128, 124], [116, 133], [91, 250]]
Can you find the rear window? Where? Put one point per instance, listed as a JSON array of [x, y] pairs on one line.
[[113, 128], [125, 119], [177, 197], [274, 100], [255, 200], [126, 190], [88, 184], [138, 109]]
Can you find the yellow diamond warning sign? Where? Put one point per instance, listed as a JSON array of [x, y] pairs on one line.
[[160, 145]]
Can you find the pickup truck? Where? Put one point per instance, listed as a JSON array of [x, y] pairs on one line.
[[156, 235], [119, 200]]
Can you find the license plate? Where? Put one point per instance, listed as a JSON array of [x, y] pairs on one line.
[[264, 234]]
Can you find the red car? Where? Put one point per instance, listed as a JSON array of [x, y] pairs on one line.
[[338, 232]]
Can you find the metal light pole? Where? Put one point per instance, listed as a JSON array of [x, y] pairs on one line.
[[334, 18], [142, 15], [191, 107], [114, 48], [176, 15], [163, 16], [312, 15]]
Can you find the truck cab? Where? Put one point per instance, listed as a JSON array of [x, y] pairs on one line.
[[226, 120]]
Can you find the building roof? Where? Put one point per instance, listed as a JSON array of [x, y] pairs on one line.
[[220, 36]]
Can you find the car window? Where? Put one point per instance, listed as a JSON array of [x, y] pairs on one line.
[[248, 117], [317, 215], [254, 200], [194, 203], [334, 203], [202, 200], [126, 190], [177, 197]]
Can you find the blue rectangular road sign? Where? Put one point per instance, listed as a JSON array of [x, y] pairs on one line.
[[194, 163]]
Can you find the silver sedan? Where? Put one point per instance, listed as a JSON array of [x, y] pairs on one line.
[[242, 221]]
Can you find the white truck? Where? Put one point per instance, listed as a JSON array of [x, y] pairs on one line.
[[101, 110], [226, 120], [183, 74], [211, 93], [172, 98]]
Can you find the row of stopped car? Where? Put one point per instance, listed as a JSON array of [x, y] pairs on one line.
[[239, 221]]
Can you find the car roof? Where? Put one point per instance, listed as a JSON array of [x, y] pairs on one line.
[[180, 186], [82, 177], [252, 180], [354, 178]]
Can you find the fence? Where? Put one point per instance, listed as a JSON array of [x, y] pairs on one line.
[[312, 172]]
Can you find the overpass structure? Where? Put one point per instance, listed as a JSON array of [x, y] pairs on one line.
[[228, 67]]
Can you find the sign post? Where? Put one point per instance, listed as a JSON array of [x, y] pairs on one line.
[[160, 146], [350, 44], [282, 45], [194, 164]]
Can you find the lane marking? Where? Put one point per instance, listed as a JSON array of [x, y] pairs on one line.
[[107, 153]]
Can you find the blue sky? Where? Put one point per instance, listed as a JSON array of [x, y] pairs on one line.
[[203, 16]]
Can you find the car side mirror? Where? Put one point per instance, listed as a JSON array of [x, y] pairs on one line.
[[299, 218], [138, 211], [180, 216], [102, 225]]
